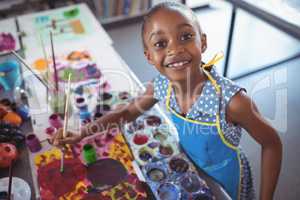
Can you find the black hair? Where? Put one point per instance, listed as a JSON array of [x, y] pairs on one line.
[[168, 5]]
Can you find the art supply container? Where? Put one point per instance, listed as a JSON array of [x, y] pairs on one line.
[[50, 131], [12, 118], [57, 101], [23, 111], [169, 191], [81, 104], [89, 154], [8, 153], [191, 184], [55, 121], [84, 115], [103, 108], [105, 98], [33, 143], [10, 75]]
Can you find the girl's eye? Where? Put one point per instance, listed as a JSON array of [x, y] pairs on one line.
[[160, 44], [186, 36]]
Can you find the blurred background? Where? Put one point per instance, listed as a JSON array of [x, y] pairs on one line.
[[261, 43]]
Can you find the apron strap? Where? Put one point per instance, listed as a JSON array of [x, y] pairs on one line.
[[213, 61]]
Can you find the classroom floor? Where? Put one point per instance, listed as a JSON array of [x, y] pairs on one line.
[[275, 91]]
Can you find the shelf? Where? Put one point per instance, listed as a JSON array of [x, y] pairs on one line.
[[121, 20]]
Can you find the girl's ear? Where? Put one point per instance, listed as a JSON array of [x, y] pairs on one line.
[[203, 42], [148, 56]]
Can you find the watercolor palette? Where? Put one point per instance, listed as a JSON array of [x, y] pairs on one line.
[[175, 178], [116, 178], [150, 140]]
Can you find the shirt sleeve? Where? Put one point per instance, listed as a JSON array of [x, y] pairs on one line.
[[230, 89]]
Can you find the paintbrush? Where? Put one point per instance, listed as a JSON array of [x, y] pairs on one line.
[[29, 68], [10, 180], [54, 62], [67, 102], [47, 65]]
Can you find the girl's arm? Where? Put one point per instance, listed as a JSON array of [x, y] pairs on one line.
[[114, 118], [241, 110]]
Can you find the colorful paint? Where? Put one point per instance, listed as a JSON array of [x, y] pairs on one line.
[[153, 120], [178, 165], [67, 24], [116, 178], [176, 178], [7, 42], [33, 143], [10, 76], [140, 139]]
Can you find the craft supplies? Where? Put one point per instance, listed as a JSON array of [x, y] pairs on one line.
[[89, 154], [8, 153], [33, 143], [55, 121]]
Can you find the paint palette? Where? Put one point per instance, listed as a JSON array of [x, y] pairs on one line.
[[175, 178], [150, 140], [112, 176]]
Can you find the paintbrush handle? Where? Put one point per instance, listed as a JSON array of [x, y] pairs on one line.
[[10, 180], [67, 107]]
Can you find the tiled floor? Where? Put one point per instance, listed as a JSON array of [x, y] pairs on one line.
[[276, 91]]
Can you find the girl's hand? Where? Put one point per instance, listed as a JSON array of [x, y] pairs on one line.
[[72, 138]]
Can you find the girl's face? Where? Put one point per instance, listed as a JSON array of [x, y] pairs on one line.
[[173, 44]]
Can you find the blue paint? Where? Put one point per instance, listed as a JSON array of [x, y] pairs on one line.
[[10, 75], [85, 115], [23, 112]]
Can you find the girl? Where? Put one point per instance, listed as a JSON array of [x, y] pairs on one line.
[[207, 109]]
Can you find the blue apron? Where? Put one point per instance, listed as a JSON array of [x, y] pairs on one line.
[[205, 144]]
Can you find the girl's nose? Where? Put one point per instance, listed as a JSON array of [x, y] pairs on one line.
[[174, 49]]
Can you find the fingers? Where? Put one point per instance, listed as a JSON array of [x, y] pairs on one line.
[[57, 136], [58, 139]]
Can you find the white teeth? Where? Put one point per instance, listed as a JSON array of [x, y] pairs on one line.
[[178, 64]]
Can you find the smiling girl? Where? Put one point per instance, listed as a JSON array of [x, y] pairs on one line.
[[208, 110]]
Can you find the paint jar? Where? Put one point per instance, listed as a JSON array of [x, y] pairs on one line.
[[55, 121], [97, 115], [105, 98], [89, 154], [50, 131], [124, 96], [10, 75], [85, 115], [33, 143], [103, 108], [23, 111], [12, 118], [81, 104]]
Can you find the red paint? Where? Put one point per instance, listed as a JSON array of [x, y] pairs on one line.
[[50, 178], [140, 139]]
